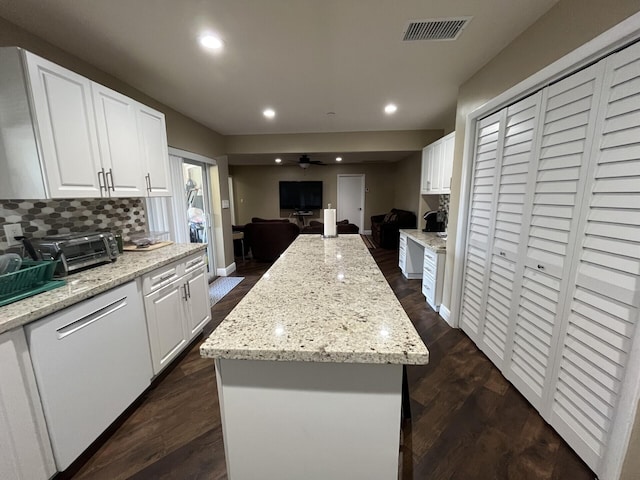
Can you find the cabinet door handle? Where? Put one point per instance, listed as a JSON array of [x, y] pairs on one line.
[[184, 290], [166, 277], [109, 175], [102, 181], [540, 267], [188, 289], [502, 254], [147, 179]]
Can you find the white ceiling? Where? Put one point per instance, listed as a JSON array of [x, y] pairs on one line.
[[304, 58]]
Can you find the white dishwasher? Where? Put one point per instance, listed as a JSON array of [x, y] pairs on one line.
[[91, 361]]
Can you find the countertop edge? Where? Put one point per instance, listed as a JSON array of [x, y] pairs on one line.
[[333, 357], [38, 313]]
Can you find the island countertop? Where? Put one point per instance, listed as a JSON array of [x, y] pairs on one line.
[[88, 283], [324, 300]]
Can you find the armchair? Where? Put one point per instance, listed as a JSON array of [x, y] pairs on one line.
[[385, 229]]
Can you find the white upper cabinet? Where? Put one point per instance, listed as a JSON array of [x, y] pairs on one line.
[[437, 165], [63, 111], [65, 136], [119, 142], [153, 142]]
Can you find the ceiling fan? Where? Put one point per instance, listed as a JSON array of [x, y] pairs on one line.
[[304, 161]]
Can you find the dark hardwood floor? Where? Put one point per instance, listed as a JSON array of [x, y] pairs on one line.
[[468, 421]]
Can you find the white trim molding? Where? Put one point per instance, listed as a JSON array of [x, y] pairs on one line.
[[445, 313], [228, 270]]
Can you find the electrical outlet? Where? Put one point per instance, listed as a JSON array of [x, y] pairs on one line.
[[11, 231]]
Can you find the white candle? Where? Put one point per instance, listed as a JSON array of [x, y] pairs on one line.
[[330, 222]]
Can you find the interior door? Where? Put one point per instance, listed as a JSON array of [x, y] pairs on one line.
[[488, 150], [603, 305], [351, 199], [568, 122], [510, 218]]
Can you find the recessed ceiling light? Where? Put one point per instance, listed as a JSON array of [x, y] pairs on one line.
[[269, 113], [391, 108], [278, 160], [211, 42], [338, 159]]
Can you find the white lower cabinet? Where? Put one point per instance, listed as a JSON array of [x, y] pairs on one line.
[[25, 451], [433, 277], [177, 307]]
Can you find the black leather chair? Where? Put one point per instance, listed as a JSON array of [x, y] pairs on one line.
[[385, 229]]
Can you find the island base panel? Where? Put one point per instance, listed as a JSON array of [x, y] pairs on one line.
[[293, 420]]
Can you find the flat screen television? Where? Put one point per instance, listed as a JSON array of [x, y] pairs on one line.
[[301, 195]]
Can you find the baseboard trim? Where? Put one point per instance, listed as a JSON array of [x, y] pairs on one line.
[[445, 313], [225, 272]]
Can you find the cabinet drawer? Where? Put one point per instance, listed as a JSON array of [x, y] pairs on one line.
[[193, 263], [428, 290], [160, 277], [429, 268], [430, 256]]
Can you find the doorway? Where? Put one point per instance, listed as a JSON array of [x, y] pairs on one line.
[[351, 199], [191, 202]]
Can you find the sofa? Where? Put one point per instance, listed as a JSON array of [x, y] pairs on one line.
[[266, 238], [385, 228], [342, 227]]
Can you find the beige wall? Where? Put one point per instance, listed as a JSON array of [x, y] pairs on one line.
[[564, 28], [400, 140], [256, 188], [407, 183]]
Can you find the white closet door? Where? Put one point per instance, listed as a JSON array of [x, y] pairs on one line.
[[518, 146], [488, 149], [596, 340], [566, 130]]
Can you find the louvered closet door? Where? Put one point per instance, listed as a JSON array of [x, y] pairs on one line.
[[518, 145], [603, 313], [566, 129], [487, 150]]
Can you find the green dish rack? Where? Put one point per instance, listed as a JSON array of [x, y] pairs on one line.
[[34, 276]]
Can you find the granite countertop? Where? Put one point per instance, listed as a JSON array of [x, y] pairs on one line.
[[429, 240], [86, 284], [324, 300]]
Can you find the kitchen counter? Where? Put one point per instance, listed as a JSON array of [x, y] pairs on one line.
[[429, 240], [322, 301], [89, 283]]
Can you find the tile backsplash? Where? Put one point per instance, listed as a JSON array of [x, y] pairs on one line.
[[443, 205], [49, 217]]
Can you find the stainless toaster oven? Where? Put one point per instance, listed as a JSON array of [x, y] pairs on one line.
[[77, 251]]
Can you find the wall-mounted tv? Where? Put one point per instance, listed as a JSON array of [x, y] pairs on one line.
[[300, 195]]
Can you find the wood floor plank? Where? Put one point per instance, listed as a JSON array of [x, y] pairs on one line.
[[468, 421]]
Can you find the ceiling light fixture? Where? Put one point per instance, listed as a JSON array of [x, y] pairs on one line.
[[389, 109], [269, 113], [338, 159], [211, 42], [278, 160]]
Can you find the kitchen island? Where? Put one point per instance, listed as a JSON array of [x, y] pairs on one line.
[[309, 367]]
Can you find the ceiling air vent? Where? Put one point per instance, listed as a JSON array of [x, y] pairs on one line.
[[436, 29]]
